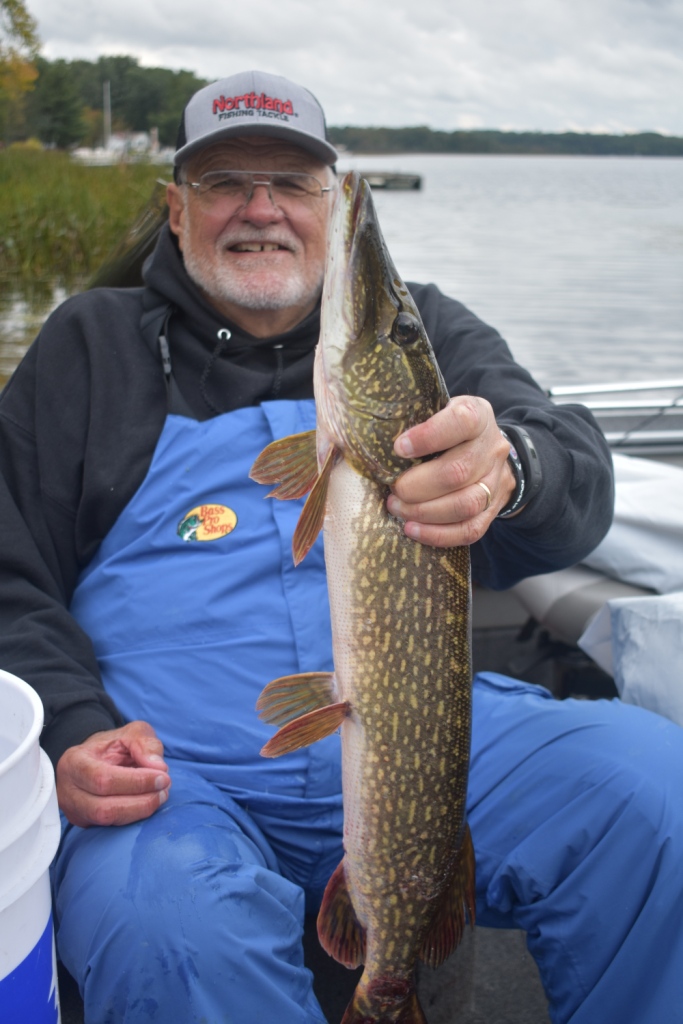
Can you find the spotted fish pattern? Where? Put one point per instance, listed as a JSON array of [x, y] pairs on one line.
[[401, 687]]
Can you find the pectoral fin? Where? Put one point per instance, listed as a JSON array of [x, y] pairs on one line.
[[449, 923], [307, 729], [313, 513], [289, 697], [339, 930], [291, 463]]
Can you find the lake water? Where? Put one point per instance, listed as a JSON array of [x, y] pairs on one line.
[[577, 261]]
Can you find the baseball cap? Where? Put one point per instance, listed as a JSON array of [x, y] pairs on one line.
[[253, 103]]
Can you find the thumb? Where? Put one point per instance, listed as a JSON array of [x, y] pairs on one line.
[[145, 747]]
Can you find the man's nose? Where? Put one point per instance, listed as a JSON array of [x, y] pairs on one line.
[[260, 204]]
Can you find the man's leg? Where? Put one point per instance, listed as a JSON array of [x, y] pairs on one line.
[[577, 821], [182, 917]]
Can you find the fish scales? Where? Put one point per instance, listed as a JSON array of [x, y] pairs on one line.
[[400, 614], [401, 688]]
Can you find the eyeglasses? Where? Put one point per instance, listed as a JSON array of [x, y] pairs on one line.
[[283, 186]]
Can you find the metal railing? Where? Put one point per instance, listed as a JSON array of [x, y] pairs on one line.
[[648, 420]]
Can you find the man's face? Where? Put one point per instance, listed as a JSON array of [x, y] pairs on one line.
[[260, 264]]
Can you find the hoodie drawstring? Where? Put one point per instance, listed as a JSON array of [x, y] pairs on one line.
[[223, 335]]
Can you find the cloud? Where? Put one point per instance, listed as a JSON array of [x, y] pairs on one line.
[[524, 64]]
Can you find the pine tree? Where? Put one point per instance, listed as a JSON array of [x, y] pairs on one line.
[[55, 109]]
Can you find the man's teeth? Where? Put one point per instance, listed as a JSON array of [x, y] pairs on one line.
[[256, 247]]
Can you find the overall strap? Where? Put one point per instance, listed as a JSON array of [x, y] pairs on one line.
[[154, 327]]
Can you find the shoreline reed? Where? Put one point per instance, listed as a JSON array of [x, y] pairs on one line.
[[60, 220]]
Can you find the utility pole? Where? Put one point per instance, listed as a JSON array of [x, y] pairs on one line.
[[107, 113]]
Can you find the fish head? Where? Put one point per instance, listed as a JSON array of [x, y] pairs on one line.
[[376, 374]]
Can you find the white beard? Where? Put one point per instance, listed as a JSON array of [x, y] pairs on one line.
[[260, 291]]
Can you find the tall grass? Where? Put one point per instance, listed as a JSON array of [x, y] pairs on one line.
[[59, 220]]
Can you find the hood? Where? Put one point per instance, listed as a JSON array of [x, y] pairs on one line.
[[216, 373]]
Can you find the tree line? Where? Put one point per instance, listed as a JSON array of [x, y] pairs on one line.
[[422, 139], [65, 105], [60, 103]]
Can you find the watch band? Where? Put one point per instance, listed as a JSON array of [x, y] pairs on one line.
[[525, 465]]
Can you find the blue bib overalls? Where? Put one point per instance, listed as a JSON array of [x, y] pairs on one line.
[[195, 914]]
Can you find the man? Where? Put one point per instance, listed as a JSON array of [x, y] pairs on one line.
[[148, 594]]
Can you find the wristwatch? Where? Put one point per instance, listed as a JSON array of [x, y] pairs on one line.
[[526, 467]]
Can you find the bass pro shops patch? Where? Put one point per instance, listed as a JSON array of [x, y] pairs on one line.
[[207, 522]]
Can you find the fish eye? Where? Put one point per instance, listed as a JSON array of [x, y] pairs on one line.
[[405, 329]]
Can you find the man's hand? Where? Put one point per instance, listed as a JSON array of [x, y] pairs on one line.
[[440, 500], [114, 777]]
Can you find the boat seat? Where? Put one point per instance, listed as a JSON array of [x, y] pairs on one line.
[[491, 977], [564, 602]]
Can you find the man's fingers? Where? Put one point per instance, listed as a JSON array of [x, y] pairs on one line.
[[135, 743], [452, 535], [434, 479], [467, 479], [453, 507], [452, 521], [93, 792], [148, 752], [461, 420], [113, 777], [85, 810], [103, 779]]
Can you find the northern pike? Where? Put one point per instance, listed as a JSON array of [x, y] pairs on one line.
[[401, 688]]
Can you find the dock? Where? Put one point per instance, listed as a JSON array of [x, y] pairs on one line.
[[390, 180]]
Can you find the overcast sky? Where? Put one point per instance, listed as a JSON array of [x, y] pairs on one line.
[[552, 65]]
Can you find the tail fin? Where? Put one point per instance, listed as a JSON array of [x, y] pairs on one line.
[[384, 1002]]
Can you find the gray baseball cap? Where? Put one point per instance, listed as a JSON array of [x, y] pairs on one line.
[[253, 103]]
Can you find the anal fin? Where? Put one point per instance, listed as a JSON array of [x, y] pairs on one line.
[[459, 896], [339, 930]]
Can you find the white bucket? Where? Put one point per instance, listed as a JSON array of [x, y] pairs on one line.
[[29, 836]]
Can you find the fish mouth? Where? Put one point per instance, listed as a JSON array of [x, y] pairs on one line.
[[375, 372], [362, 295], [360, 284]]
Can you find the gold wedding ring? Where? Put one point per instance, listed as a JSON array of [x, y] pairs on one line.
[[487, 493]]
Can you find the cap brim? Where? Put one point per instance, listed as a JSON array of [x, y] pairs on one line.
[[324, 151]]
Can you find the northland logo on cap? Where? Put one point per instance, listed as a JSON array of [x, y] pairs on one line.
[[253, 102], [265, 106]]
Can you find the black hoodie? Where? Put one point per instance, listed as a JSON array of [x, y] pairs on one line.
[[80, 419]]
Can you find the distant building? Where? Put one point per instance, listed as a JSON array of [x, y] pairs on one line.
[[127, 147]]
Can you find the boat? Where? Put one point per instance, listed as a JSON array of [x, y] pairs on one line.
[[642, 418], [557, 629]]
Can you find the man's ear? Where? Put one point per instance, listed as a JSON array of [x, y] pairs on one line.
[[176, 211]]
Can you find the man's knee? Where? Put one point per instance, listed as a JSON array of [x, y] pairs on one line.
[[171, 874], [175, 907]]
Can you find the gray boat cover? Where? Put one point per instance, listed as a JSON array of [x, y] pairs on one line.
[[639, 639]]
